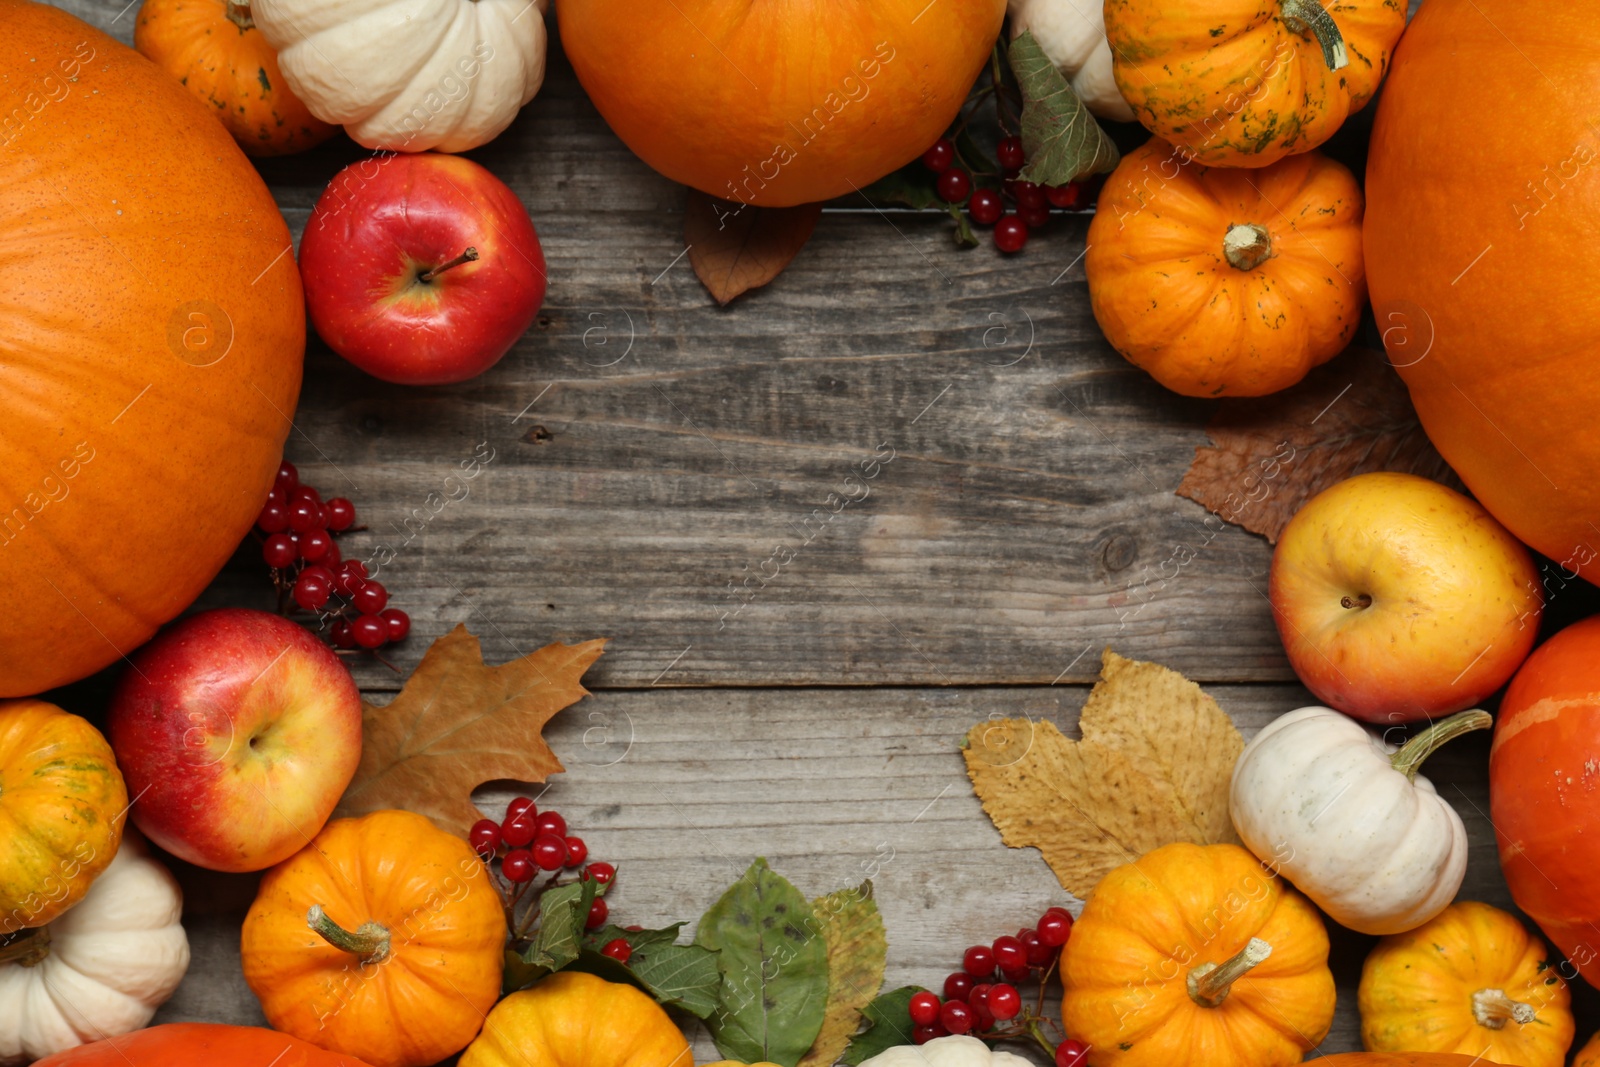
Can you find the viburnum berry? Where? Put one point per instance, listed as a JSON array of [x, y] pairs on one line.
[[287, 478], [302, 516], [1072, 1053], [1067, 196], [597, 914], [333, 556], [1039, 953], [986, 206], [399, 623], [939, 157], [600, 872], [1014, 975], [1009, 953], [577, 852], [341, 635], [370, 598], [517, 865], [519, 805], [956, 1016], [552, 824], [1054, 929], [1010, 153], [341, 514], [954, 186], [1028, 194], [484, 837], [1004, 1001], [1034, 216], [306, 494], [978, 961], [369, 631], [618, 949], [549, 852], [274, 517], [347, 574], [924, 1034], [311, 591], [279, 550], [314, 545], [979, 994], [958, 986], [924, 1008], [1010, 234], [519, 830]]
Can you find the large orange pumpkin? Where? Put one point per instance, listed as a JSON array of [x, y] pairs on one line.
[[151, 333], [1544, 791], [200, 1045], [1483, 212], [778, 104]]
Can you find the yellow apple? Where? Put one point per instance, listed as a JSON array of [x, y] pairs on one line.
[[1400, 599]]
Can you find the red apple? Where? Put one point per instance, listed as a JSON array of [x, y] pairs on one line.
[[237, 732], [421, 269]]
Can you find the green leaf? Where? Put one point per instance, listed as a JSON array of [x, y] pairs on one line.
[[964, 236], [852, 930], [1061, 139], [562, 914], [888, 1024], [910, 186], [774, 969], [683, 976]]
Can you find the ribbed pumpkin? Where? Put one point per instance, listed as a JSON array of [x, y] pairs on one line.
[[62, 808], [1489, 313], [778, 104], [152, 329], [1544, 790], [1196, 955], [200, 1045], [1401, 1059], [1226, 282], [1243, 83], [573, 1019], [1589, 1054], [215, 50], [1470, 980], [384, 938]]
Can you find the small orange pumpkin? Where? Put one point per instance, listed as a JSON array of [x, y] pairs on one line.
[[382, 939], [1589, 1054], [1246, 84], [214, 49], [572, 1019], [1226, 282]]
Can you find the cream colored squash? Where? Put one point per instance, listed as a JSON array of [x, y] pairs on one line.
[[1073, 34], [410, 75], [952, 1051], [101, 969], [1347, 819]]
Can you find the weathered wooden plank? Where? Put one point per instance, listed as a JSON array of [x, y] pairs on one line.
[[684, 788]]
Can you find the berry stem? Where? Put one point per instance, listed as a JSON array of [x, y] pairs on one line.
[[466, 257], [1038, 1035], [369, 941]]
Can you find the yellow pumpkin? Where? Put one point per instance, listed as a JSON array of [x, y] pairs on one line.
[[1226, 282], [573, 1019], [1195, 954], [1589, 1055], [382, 939], [1471, 980], [62, 808]]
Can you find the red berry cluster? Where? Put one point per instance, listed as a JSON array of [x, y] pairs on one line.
[[299, 530], [984, 994], [529, 841], [987, 207]]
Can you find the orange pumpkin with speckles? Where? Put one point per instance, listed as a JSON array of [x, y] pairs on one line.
[[1226, 282], [215, 50], [1244, 83], [152, 330]]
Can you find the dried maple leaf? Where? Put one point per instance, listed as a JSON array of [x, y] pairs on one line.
[[1271, 454], [1153, 767], [737, 247], [853, 932], [458, 723]]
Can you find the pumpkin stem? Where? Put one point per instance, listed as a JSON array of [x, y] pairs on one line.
[[466, 257], [1492, 1008], [1246, 246], [369, 941], [1408, 761], [27, 948], [239, 14], [1209, 983], [1303, 15]]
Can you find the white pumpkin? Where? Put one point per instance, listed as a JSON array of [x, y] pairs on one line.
[[952, 1051], [107, 964], [410, 75], [1347, 819], [1073, 34]]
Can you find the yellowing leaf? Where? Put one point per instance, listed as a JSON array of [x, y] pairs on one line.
[[459, 723], [1153, 767], [852, 930]]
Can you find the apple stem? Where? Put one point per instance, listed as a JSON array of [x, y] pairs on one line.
[[369, 941], [466, 257], [26, 949], [1408, 761], [1362, 601], [1209, 983]]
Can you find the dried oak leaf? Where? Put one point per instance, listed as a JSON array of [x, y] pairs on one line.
[[458, 723], [737, 247], [857, 947], [1153, 767], [1271, 454]]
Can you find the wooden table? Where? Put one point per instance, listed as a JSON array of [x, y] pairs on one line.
[[651, 454]]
